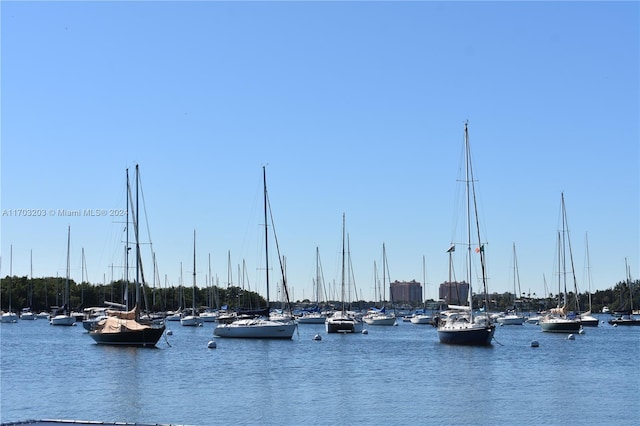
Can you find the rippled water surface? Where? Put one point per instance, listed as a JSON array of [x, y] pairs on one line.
[[392, 375]]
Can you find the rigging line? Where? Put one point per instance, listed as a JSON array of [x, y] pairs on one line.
[[144, 207], [475, 209], [284, 278]]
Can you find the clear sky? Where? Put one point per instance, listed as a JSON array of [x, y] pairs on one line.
[[356, 107]]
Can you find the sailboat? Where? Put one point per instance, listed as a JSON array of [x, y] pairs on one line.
[[27, 313], [125, 328], [10, 316], [343, 321], [586, 318], [315, 316], [627, 319], [561, 319], [381, 316], [63, 316], [177, 314], [423, 317], [191, 318], [512, 317], [460, 326], [262, 326]]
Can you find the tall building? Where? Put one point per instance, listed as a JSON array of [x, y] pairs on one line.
[[409, 292], [454, 293]]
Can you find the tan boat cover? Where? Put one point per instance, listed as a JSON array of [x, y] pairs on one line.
[[128, 315], [117, 325]]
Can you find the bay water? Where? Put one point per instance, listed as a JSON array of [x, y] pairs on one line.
[[392, 375]]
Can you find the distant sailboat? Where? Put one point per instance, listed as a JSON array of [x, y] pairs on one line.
[[10, 316], [381, 316], [627, 319], [423, 317], [586, 318], [512, 317], [63, 316], [192, 318], [315, 316], [460, 326], [343, 321], [27, 313], [561, 319]]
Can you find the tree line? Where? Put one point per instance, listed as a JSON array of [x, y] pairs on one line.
[[42, 294]]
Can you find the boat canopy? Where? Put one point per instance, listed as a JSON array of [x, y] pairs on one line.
[[126, 315], [117, 325]]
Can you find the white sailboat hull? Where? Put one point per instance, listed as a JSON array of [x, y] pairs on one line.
[[380, 319], [258, 328], [191, 321], [586, 319], [9, 317], [339, 323], [313, 318], [511, 320], [421, 319], [62, 320]]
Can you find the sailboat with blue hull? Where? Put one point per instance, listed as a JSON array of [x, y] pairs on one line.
[[459, 325]]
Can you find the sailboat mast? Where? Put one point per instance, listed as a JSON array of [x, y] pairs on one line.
[[477, 221], [564, 255], [66, 285], [468, 197], [31, 276], [384, 271], [317, 276], [136, 231], [126, 248], [515, 268], [628, 270], [424, 282], [376, 284], [155, 278], [82, 279], [573, 269], [342, 279], [266, 232], [194, 273], [11, 273], [559, 267], [586, 240], [210, 285]]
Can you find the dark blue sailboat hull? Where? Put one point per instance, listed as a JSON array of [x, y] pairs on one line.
[[469, 337]]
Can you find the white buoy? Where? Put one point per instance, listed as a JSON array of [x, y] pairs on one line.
[[535, 344], [615, 325], [169, 333], [365, 331], [571, 337], [317, 337], [212, 344], [581, 331]]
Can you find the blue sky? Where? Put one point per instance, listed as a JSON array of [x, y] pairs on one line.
[[356, 107]]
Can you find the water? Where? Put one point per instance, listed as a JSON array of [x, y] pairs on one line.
[[391, 375]]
